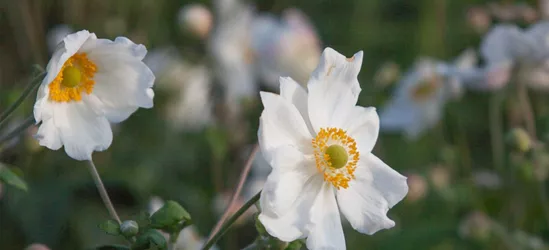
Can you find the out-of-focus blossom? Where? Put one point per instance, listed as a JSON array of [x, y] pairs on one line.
[[90, 82], [507, 48], [544, 8], [439, 177], [230, 47], [487, 179], [288, 46], [387, 74], [37, 246], [56, 35], [479, 19], [477, 225], [508, 12], [419, 99], [418, 187], [319, 144], [189, 238], [190, 105], [195, 18]]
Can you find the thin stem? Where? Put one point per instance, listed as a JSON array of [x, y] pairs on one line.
[[15, 132], [238, 189], [35, 82], [103, 191], [496, 130], [526, 107], [231, 221]]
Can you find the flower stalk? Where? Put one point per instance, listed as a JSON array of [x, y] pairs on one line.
[[102, 191], [35, 82]]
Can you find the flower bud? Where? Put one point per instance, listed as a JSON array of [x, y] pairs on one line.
[[36, 246], [196, 19], [476, 225], [129, 228], [519, 140]]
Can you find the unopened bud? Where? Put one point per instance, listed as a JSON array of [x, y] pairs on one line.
[[196, 19], [519, 140], [37, 247], [477, 226], [129, 228], [417, 187]]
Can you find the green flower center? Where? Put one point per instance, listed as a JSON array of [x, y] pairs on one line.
[[338, 156], [71, 77]]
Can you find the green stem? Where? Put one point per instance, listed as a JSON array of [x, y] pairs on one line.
[[231, 221], [35, 82], [496, 131], [22, 127], [103, 192]]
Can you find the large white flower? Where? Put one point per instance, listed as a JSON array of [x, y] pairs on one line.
[[319, 145], [89, 83]]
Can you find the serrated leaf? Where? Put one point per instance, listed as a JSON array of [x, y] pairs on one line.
[[9, 177], [112, 247], [110, 227]]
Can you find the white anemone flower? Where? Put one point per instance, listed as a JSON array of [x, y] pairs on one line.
[[319, 144], [89, 83], [418, 102], [507, 48], [288, 46]]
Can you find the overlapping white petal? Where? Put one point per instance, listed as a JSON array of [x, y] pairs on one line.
[[122, 84], [296, 201]]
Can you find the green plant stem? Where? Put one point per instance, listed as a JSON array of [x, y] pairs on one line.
[[35, 82], [22, 127], [103, 192], [231, 221], [496, 131]]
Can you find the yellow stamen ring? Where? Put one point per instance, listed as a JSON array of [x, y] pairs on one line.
[[75, 77], [336, 156]]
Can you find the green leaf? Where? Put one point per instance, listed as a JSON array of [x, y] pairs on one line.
[[150, 239], [294, 245], [112, 247], [10, 178], [172, 217], [110, 227]]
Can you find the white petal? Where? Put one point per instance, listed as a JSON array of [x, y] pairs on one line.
[[291, 173], [81, 130], [292, 225], [281, 124], [333, 89], [70, 45], [375, 190], [363, 126], [297, 95], [507, 43], [48, 136], [325, 230], [123, 81]]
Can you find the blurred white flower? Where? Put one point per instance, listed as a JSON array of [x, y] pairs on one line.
[[487, 179], [319, 144], [190, 106], [89, 83], [418, 102], [196, 18], [56, 35], [285, 47], [188, 239], [507, 49], [230, 49]]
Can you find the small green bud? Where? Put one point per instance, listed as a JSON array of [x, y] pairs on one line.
[[172, 217], [129, 228], [519, 140]]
